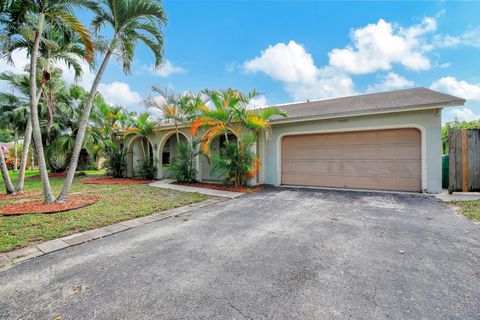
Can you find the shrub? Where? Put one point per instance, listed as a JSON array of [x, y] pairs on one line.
[[236, 162], [10, 161], [115, 163], [182, 164], [147, 169]]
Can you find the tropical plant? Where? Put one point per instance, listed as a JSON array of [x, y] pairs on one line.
[[236, 161], [182, 164], [131, 21], [115, 163], [6, 135], [25, 21], [232, 115], [147, 169]]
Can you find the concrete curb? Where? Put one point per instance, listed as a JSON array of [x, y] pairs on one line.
[[12, 258]]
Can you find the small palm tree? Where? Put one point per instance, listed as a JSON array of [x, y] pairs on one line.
[[141, 129], [231, 115], [131, 21]]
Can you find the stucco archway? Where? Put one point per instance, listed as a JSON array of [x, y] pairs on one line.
[[169, 141]]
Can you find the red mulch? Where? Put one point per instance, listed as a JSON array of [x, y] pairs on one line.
[[51, 175], [116, 181], [220, 187], [20, 195], [37, 206]]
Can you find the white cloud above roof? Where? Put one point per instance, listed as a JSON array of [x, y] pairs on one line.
[[459, 88], [391, 81], [463, 114], [292, 65], [378, 46]]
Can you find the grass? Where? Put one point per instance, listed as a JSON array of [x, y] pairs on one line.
[[117, 203], [470, 209]]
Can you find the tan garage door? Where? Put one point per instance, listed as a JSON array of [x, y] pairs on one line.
[[380, 159]]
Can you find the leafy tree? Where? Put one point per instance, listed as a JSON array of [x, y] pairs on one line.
[[456, 125], [6, 135], [130, 21]]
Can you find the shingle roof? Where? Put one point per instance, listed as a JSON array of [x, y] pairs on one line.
[[408, 99]]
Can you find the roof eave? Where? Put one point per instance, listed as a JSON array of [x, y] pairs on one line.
[[456, 103]]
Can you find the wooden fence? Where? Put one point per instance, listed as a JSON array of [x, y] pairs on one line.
[[464, 160]]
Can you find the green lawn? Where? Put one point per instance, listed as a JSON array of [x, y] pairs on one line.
[[470, 209], [118, 203]]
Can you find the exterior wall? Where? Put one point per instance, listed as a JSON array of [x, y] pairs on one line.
[[427, 121]]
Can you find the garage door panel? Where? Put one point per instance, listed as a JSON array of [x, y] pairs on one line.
[[390, 152], [382, 159], [366, 167]]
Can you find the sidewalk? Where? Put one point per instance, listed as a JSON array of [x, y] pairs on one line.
[[167, 184], [457, 196]]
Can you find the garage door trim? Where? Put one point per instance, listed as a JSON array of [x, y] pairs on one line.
[[423, 145]]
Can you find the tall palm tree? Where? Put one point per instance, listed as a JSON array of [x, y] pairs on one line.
[[16, 23], [131, 21]]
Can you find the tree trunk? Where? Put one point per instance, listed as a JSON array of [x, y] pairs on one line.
[[6, 177], [83, 127], [27, 138], [37, 134], [15, 152]]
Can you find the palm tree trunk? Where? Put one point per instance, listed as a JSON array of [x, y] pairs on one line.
[[37, 134], [82, 127], [27, 138], [6, 177], [15, 152]]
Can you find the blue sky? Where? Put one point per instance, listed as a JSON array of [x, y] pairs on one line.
[[293, 50]]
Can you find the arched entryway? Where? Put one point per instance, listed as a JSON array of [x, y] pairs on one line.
[[167, 151], [140, 150]]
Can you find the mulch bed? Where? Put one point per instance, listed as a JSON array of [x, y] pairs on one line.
[[51, 175], [37, 206], [20, 195], [115, 181], [220, 187]]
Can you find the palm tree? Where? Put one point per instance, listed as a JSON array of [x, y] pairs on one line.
[[231, 115], [175, 108], [6, 177], [19, 19], [131, 21], [141, 129]]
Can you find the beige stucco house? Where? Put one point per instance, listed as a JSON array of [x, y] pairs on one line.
[[383, 141]]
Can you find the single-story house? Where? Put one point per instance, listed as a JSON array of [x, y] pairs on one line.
[[383, 141]]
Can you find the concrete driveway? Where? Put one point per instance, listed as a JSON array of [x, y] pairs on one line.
[[280, 254]]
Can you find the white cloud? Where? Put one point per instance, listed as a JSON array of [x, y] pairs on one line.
[[85, 81], [463, 114], [258, 102], [302, 79], [460, 88], [391, 81], [378, 46], [469, 38], [165, 70], [119, 93]]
